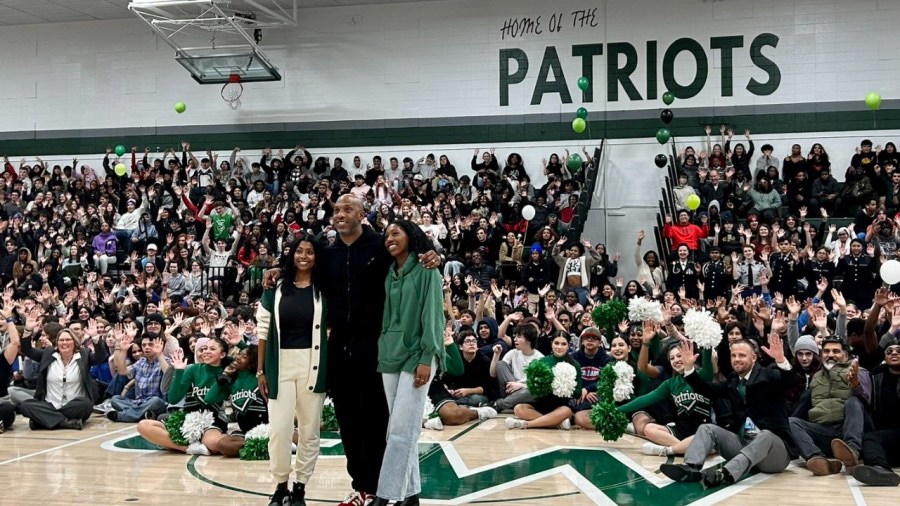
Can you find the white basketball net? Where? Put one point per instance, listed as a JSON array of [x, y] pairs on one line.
[[231, 93]]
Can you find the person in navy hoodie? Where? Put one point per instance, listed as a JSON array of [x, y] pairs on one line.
[[592, 357]]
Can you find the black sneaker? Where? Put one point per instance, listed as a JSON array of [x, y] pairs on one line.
[[712, 477], [298, 494], [281, 497], [113, 416], [681, 473], [876, 476]]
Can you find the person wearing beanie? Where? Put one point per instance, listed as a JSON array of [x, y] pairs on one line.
[[804, 364]]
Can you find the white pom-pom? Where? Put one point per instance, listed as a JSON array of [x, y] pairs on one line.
[[328, 402], [429, 408], [195, 424], [564, 380], [641, 309], [702, 328], [261, 431], [623, 388]]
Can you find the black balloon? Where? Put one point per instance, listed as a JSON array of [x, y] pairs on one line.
[[666, 116], [661, 160]]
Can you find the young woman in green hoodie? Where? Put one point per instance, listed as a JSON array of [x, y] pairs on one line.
[[192, 383], [409, 349]]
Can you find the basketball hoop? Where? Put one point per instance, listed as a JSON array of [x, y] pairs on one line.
[[232, 91]]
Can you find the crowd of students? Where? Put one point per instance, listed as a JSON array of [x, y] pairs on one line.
[[136, 325]]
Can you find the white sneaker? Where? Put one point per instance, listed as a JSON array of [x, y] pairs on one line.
[[434, 423], [293, 448], [104, 407], [197, 449], [654, 449], [516, 423], [485, 412], [629, 429], [565, 425]]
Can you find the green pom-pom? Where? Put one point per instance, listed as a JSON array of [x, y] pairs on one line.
[[539, 378], [608, 315], [606, 383], [608, 421], [329, 420], [173, 426], [255, 449]]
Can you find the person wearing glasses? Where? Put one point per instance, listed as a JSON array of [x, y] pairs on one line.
[[65, 394], [881, 447]]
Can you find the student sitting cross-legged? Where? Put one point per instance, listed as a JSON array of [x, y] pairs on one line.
[[448, 410], [510, 370], [550, 410]]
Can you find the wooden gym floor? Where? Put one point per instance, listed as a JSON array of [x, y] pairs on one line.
[[108, 463]]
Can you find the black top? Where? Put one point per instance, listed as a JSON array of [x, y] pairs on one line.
[[354, 289], [296, 314], [888, 402], [5, 374], [476, 373]]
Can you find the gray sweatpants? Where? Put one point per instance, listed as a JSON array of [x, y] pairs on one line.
[[766, 452], [521, 396]]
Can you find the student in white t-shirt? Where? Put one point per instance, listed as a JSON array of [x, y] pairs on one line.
[[510, 371]]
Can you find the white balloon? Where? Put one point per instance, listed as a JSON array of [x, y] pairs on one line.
[[890, 272], [528, 212]]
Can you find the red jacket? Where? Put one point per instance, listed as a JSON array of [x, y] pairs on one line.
[[689, 234]]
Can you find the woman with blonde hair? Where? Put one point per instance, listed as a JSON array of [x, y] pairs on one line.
[[65, 393]]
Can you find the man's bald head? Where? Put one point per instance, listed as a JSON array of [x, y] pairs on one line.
[[351, 200], [348, 217]]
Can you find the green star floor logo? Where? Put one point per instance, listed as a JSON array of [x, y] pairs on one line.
[[605, 476]]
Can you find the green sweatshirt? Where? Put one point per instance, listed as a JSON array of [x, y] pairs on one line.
[[193, 384], [552, 360], [690, 404], [243, 391], [412, 330]]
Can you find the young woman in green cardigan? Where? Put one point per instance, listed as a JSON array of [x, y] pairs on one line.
[[292, 355], [409, 350], [192, 383]]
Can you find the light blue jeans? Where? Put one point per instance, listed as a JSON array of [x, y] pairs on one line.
[[399, 476], [133, 411]]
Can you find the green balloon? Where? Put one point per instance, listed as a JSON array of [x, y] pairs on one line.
[[873, 100], [583, 83], [668, 98], [582, 113], [578, 125], [574, 162], [663, 135], [120, 150]]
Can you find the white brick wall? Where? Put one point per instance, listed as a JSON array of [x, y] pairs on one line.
[[433, 59]]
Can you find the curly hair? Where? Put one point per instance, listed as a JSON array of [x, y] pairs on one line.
[[417, 241]]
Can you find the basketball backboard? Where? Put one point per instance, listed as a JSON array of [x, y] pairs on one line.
[[217, 39], [218, 68]]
